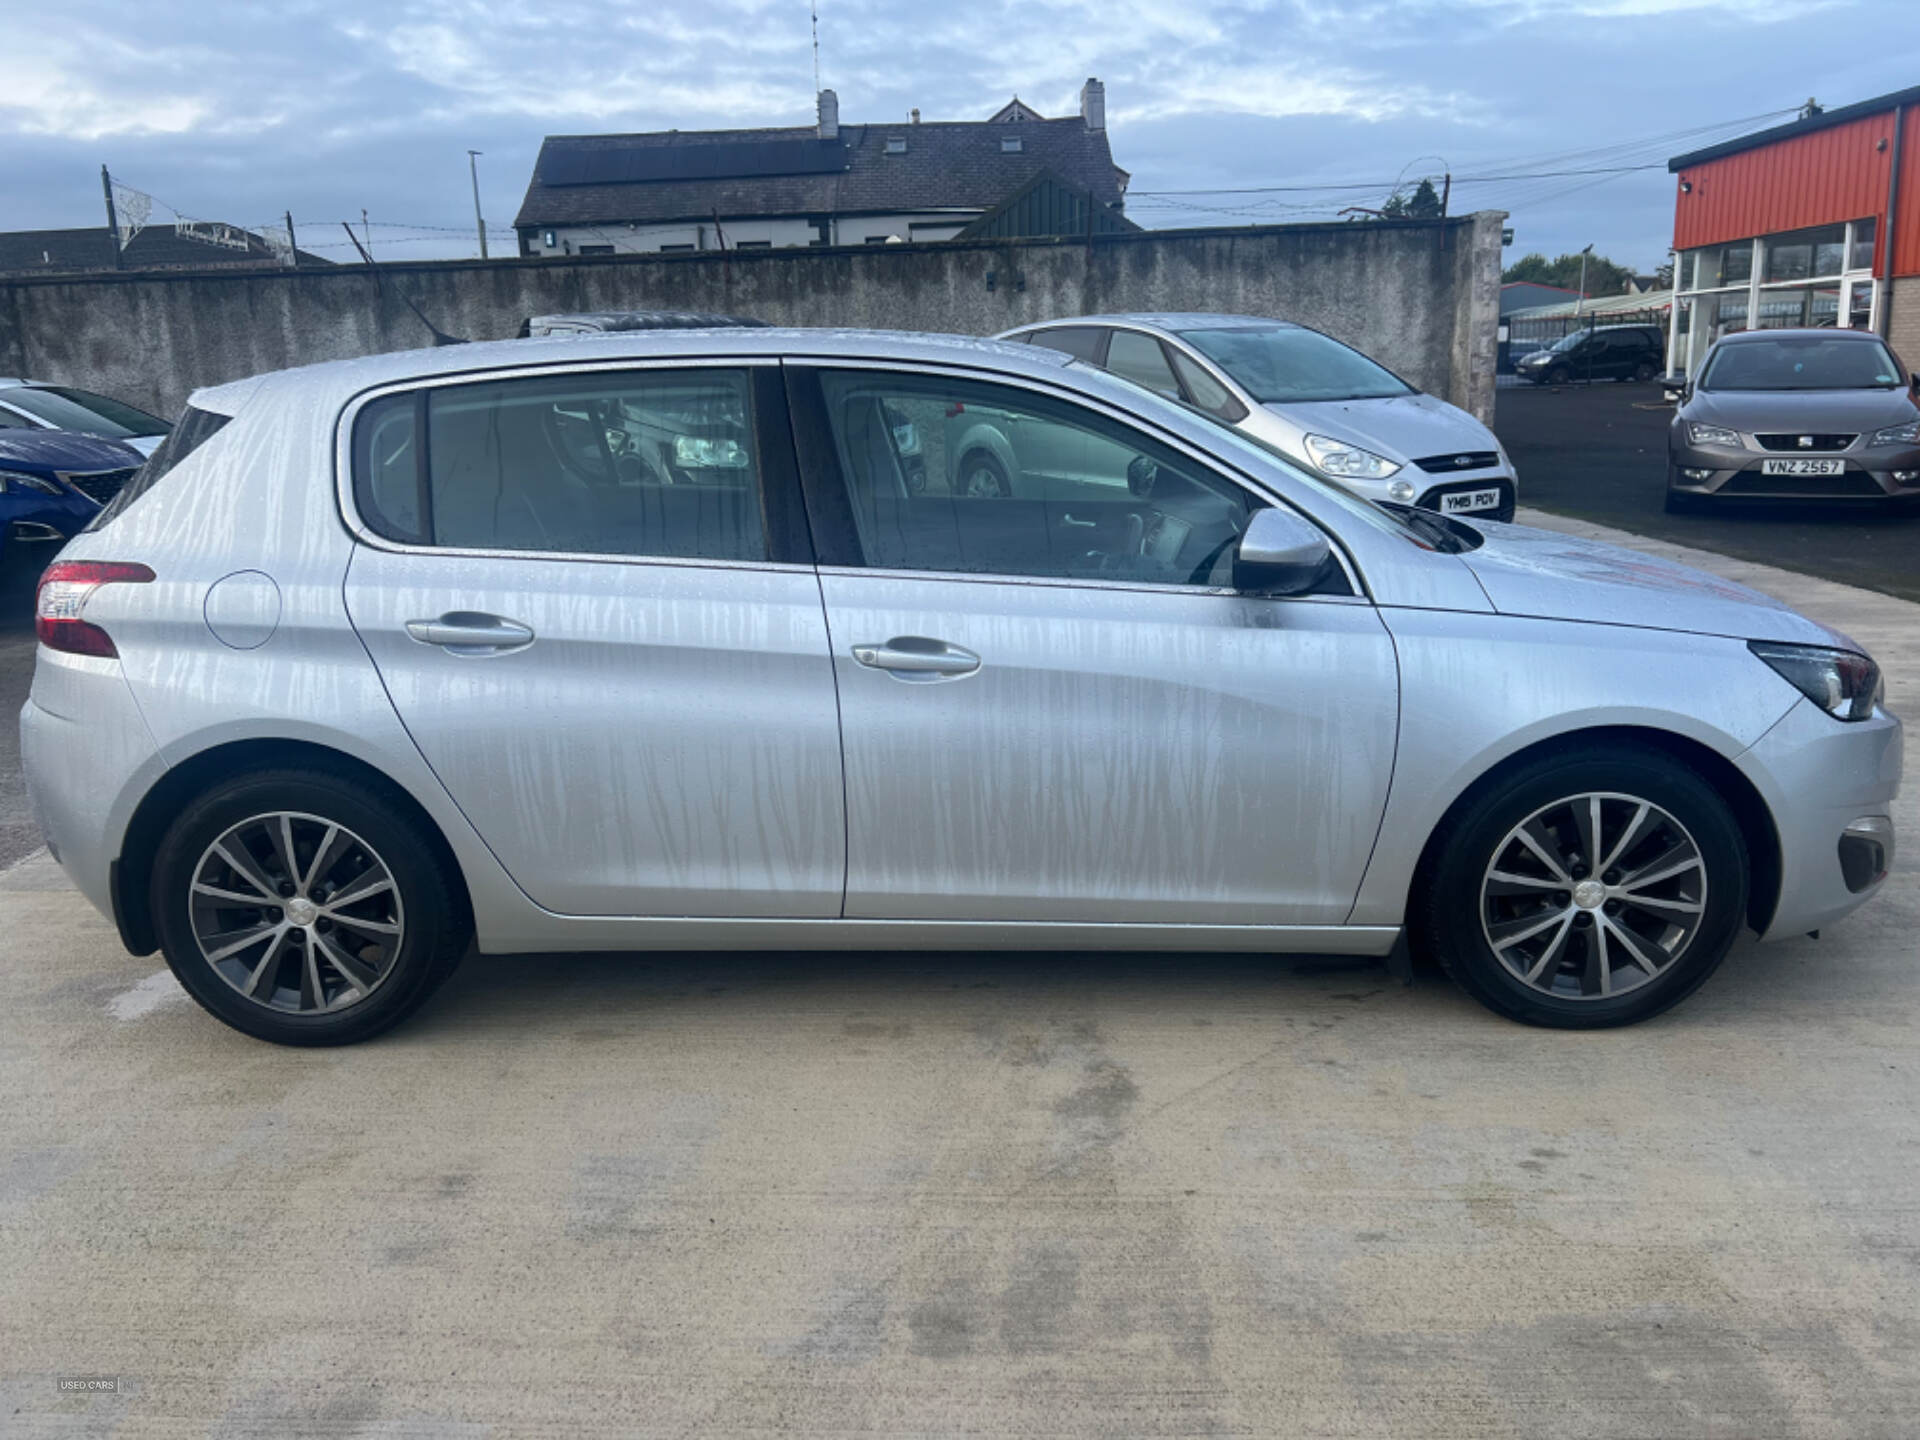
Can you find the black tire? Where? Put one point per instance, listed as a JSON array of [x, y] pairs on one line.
[[1559, 375], [436, 928], [1643, 372], [1471, 839], [1680, 503], [983, 462]]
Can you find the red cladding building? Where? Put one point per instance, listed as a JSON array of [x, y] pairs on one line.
[[1815, 222]]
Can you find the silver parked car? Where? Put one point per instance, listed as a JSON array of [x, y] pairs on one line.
[[1796, 414], [646, 642], [1321, 404]]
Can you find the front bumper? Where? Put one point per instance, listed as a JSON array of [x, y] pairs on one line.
[[1877, 474], [1822, 778]]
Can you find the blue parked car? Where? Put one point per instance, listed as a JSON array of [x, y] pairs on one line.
[[52, 483]]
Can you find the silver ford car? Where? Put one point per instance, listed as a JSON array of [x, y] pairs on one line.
[[1323, 405], [645, 641]]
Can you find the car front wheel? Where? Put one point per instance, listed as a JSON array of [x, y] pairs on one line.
[[305, 908], [1585, 890]]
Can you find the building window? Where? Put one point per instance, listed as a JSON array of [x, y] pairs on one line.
[[676, 249], [896, 145], [753, 244], [1806, 254], [596, 250], [1010, 145], [1862, 257]]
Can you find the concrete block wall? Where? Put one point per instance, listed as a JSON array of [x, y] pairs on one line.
[[1421, 297]]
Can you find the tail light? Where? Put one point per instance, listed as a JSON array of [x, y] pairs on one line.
[[63, 594]]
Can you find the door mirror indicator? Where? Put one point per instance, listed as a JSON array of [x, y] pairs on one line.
[[1281, 554]]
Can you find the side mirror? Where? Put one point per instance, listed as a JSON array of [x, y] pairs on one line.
[[1675, 388], [1281, 554]]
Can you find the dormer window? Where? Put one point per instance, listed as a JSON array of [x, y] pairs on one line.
[[1010, 145], [896, 145]]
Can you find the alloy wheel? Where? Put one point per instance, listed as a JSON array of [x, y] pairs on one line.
[[1593, 895], [297, 913]]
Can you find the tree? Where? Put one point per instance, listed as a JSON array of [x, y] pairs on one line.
[[1603, 276], [1423, 204]]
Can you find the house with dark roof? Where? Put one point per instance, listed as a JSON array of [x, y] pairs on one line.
[[824, 184], [156, 247]]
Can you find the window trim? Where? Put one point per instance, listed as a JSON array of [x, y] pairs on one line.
[[830, 505], [778, 467]]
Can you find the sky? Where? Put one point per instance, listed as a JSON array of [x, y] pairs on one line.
[[243, 112]]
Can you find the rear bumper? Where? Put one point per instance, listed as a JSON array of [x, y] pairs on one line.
[[88, 757], [1827, 783]]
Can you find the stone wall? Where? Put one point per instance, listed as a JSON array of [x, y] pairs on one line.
[[1422, 297]]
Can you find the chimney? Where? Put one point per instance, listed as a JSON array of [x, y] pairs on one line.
[[829, 115], [916, 114], [1093, 104]]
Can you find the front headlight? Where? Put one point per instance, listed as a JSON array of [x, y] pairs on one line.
[[1347, 462], [1712, 435], [18, 480], [1845, 685], [1907, 434]]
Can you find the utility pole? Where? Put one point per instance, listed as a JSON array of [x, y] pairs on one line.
[[1581, 299], [367, 231], [113, 221], [293, 246], [473, 171]]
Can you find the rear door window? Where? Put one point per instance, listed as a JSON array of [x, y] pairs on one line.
[[1080, 341], [656, 463]]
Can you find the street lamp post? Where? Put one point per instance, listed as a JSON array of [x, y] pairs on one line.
[[473, 172], [1579, 300]]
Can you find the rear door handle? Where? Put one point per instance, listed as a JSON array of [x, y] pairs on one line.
[[466, 632], [914, 657]]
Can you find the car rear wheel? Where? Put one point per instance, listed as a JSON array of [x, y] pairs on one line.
[[1586, 890], [304, 908], [1643, 372], [1559, 375]]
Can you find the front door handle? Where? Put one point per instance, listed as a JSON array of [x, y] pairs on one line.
[[466, 632], [914, 657]]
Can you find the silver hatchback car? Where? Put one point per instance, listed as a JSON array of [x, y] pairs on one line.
[[645, 642], [1321, 404]]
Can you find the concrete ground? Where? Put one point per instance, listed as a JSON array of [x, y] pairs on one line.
[[1599, 453], [946, 1195]]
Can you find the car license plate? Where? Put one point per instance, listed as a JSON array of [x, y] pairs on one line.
[[1803, 467], [1463, 501]]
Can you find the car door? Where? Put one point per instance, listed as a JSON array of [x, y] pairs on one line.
[[590, 598], [1041, 729]]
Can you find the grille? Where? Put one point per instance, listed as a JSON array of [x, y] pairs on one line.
[[1431, 500], [1458, 460], [1752, 482], [1828, 443], [100, 486]]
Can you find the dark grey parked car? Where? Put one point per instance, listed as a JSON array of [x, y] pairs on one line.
[[1796, 414]]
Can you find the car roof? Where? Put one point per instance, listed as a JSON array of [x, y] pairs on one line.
[[1808, 332], [339, 380], [1175, 320]]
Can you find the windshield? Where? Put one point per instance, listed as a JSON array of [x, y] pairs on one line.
[[1278, 367], [81, 410], [1802, 362]]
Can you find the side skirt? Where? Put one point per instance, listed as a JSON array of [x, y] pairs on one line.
[[623, 933]]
